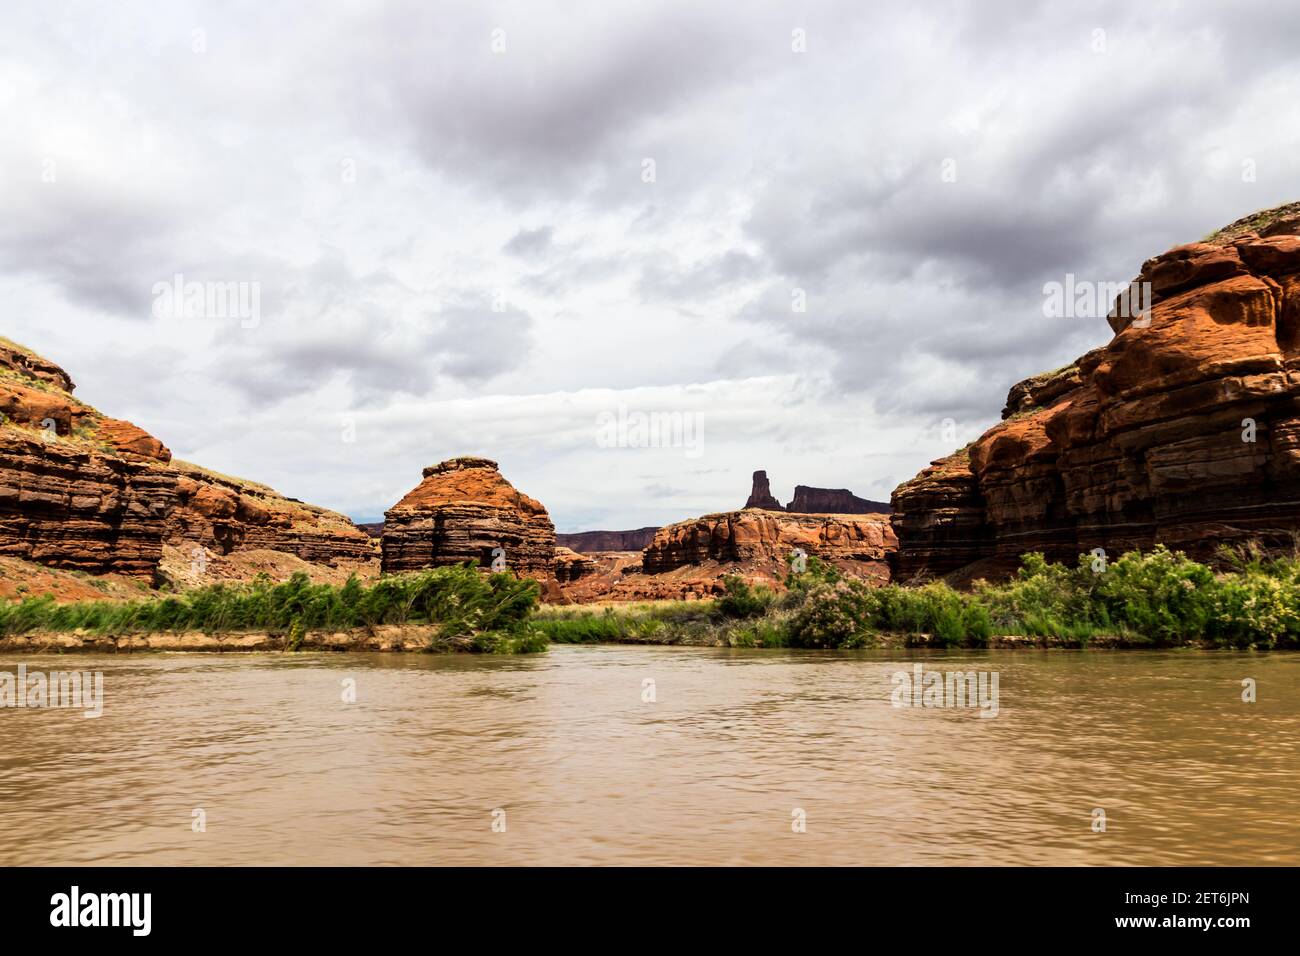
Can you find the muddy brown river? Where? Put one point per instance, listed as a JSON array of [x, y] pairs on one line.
[[659, 755]]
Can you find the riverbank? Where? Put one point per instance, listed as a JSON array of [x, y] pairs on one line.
[[1159, 599], [416, 639], [440, 610], [898, 640], [395, 637]]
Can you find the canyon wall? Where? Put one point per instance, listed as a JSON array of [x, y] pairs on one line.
[[1183, 430], [81, 490], [587, 542], [229, 514]]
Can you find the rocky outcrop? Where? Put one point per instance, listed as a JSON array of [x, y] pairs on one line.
[[74, 492], [1183, 430], [589, 542], [81, 490], [228, 514], [753, 541], [832, 501], [571, 567], [760, 496], [67, 506], [810, 500], [28, 364], [464, 510]]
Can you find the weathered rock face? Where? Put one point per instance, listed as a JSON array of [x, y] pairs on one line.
[[76, 488], [832, 501], [760, 496], [764, 540], [81, 490], [229, 514], [464, 510], [571, 567], [67, 507], [28, 364], [588, 542], [1183, 430]]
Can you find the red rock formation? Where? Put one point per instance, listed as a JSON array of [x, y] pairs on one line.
[[809, 500], [1183, 430], [464, 510], [758, 544], [832, 501], [760, 496], [66, 506], [28, 364], [228, 515], [69, 496], [571, 567], [589, 542], [81, 490], [602, 576]]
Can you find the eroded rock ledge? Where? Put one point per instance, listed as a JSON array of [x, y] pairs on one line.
[[690, 558], [84, 491], [1184, 431]]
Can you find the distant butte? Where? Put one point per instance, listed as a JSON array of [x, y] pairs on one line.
[[813, 501]]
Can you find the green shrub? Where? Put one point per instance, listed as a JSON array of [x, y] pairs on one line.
[[977, 623], [762, 632], [1260, 607], [739, 600], [832, 615], [1161, 594]]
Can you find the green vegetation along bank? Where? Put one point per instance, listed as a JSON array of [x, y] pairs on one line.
[[1154, 599], [452, 608]]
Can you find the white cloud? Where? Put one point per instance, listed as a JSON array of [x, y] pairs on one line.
[[389, 179]]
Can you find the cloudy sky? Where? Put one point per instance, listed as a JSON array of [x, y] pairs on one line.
[[816, 233]]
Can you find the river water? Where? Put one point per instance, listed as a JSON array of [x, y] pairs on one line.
[[656, 755]]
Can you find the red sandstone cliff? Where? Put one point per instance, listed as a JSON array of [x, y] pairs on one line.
[[229, 514], [1184, 429], [84, 491]]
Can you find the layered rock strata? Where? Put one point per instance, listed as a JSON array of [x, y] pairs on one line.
[[229, 514], [572, 567], [81, 490], [465, 510], [1183, 430], [588, 542], [754, 540]]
